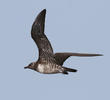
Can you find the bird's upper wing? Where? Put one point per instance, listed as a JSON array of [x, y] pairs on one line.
[[61, 57], [37, 33]]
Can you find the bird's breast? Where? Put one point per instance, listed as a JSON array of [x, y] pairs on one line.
[[47, 68], [41, 68]]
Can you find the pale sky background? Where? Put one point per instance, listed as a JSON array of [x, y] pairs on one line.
[[71, 25]]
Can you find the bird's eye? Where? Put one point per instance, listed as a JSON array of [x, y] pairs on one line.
[[30, 64]]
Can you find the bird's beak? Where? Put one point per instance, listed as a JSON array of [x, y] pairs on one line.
[[26, 67]]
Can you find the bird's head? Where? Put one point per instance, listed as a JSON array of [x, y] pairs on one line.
[[30, 66]]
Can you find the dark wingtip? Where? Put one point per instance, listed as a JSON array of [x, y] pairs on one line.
[[100, 55], [44, 10], [39, 23], [75, 70]]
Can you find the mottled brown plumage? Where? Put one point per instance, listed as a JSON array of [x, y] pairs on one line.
[[48, 62]]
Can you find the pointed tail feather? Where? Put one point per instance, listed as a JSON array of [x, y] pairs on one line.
[[69, 69]]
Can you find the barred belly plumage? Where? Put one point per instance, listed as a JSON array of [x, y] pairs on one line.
[[48, 68]]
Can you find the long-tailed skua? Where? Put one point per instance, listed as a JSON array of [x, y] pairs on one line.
[[48, 61]]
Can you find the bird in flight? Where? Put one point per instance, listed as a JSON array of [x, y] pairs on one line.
[[48, 61]]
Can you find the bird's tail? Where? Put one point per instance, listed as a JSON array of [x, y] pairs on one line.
[[66, 70]]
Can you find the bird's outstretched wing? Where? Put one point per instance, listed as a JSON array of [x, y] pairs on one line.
[[61, 57], [37, 33]]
